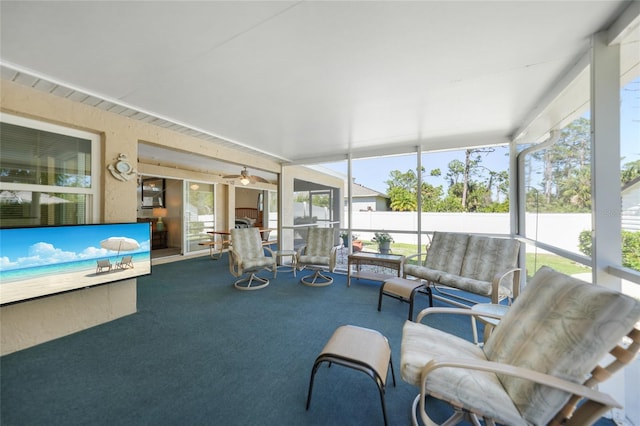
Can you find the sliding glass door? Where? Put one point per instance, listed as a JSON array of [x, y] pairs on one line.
[[199, 217]]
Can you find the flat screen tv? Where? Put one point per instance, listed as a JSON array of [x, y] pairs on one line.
[[44, 260]]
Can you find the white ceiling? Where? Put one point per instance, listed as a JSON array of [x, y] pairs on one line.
[[310, 79]]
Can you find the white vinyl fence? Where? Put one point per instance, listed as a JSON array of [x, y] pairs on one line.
[[556, 229]]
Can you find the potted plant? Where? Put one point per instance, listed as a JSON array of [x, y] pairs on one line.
[[384, 241], [345, 237]]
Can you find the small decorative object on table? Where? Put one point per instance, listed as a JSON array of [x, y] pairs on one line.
[[384, 241], [344, 236]]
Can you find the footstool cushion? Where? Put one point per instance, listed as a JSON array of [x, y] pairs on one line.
[[404, 290], [359, 348]]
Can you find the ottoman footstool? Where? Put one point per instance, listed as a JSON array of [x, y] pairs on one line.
[[404, 290], [359, 348]]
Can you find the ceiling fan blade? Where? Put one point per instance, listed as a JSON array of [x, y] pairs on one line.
[[231, 176], [255, 179]]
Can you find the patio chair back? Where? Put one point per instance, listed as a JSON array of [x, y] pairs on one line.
[[563, 327]]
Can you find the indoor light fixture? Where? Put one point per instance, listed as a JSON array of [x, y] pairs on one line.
[[246, 178], [160, 212]]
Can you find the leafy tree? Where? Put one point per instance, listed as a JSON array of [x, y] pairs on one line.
[[630, 171], [431, 197], [402, 190], [402, 199], [576, 189], [630, 247], [566, 171], [498, 181], [471, 187]]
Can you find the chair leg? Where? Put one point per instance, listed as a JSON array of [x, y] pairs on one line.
[[412, 298], [317, 280], [457, 417], [393, 374], [384, 408], [249, 283], [313, 374]]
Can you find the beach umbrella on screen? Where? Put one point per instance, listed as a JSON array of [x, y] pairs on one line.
[[119, 244]]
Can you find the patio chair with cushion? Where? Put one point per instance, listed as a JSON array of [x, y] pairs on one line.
[[247, 255], [319, 253], [538, 365]]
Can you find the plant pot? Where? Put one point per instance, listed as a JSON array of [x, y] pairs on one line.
[[384, 247], [345, 241]]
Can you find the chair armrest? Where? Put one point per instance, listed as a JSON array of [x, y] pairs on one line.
[[457, 311], [333, 256], [497, 279], [416, 255], [235, 262], [604, 400], [270, 251]]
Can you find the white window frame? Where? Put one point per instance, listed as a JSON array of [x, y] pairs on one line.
[[93, 192]]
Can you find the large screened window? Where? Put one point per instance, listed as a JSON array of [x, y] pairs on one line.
[[471, 183], [630, 158], [314, 205], [385, 195], [199, 217], [47, 174], [557, 187]]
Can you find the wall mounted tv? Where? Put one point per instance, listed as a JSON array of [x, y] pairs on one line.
[[40, 261]]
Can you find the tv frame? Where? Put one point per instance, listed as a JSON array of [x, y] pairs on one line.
[[41, 261]]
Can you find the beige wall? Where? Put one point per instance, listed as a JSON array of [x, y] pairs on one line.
[[246, 197], [26, 324], [29, 323]]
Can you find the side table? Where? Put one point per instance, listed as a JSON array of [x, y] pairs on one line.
[[279, 254], [489, 322]]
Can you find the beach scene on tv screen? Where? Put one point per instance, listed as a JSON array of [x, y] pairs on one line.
[[40, 261]]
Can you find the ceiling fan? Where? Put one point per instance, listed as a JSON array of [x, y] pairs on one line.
[[246, 178]]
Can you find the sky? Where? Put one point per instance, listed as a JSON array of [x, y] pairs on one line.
[[23, 247], [372, 173]]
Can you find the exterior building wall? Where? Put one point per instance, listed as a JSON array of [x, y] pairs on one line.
[[29, 323], [631, 208], [364, 204]]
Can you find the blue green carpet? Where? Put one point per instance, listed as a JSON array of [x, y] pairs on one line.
[[200, 352]]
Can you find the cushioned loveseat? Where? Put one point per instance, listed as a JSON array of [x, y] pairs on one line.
[[485, 266]]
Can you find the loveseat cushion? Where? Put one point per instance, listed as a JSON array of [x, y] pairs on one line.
[[483, 288], [422, 272], [446, 252], [487, 256], [558, 310]]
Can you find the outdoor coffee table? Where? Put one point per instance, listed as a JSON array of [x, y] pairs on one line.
[[391, 261]]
